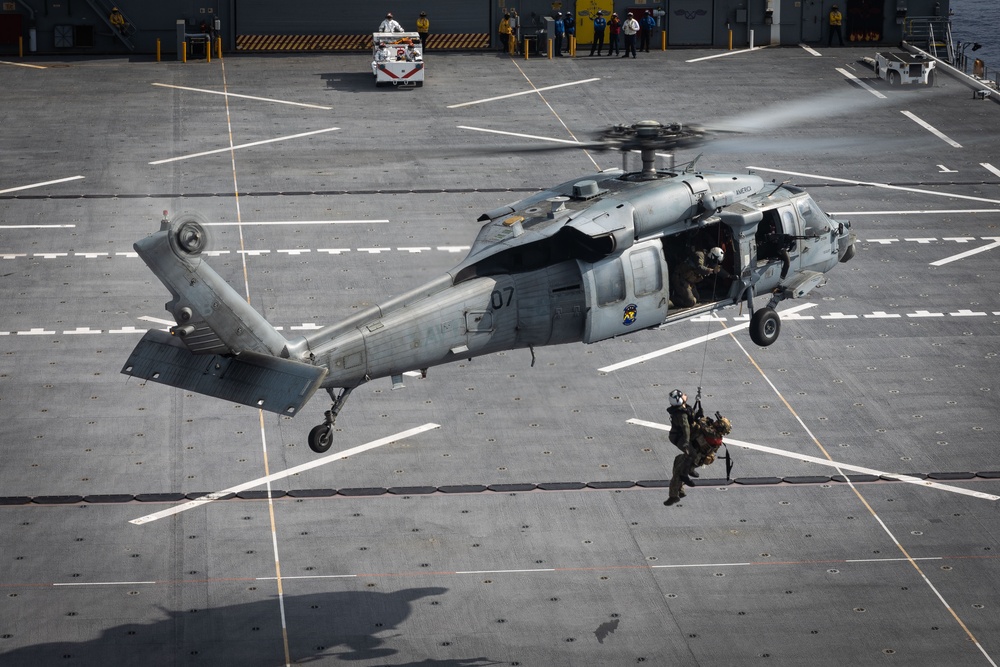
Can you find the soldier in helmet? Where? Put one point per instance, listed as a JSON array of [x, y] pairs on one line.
[[682, 416], [706, 438], [700, 265]]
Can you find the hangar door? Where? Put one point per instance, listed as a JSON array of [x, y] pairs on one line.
[[309, 17]]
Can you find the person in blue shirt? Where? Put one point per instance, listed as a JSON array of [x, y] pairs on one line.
[[600, 23], [570, 24], [559, 28], [646, 26]]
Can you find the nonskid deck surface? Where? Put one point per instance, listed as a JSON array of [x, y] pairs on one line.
[[501, 513]]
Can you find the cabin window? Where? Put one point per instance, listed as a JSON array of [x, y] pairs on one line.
[[646, 274], [815, 220], [610, 278]]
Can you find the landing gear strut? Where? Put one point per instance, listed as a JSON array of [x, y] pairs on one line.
[[321, 437]]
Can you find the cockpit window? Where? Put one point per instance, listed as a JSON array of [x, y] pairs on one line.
[[815, 219]]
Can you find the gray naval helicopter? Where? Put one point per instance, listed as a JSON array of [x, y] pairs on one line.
[[587, 260]]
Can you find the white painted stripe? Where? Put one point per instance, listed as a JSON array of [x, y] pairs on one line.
[[105, 583], [246, 97], [693, 341], [989, 167], [660, 567], [42, 184], [156, 320], [861, 83], [877, 185], [970, 253], [517, 134], [7, 62], [541, 569], [177, 509], [307, 576], [526, 92], [294, 222], [249, 145], [727, 53], [926, 211], [833, 464], [810, 50], [930, 128], [37, 226]]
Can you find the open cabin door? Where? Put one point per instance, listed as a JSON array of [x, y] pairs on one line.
[[625, 292]]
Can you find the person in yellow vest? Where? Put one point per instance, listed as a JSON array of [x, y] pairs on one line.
[[836, 21], [423, 28], [504, 33], [117, 20]]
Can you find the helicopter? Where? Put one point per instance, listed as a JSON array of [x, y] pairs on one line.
[[584, 261]]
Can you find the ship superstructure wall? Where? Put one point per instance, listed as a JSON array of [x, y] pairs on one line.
[[81, 26]]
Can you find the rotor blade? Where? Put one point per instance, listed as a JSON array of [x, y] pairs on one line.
[[815, 108]]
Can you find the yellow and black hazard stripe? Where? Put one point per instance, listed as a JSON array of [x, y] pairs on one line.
[[351, 42]]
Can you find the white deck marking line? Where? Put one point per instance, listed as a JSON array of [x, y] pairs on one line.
[[878, 185], [810, 50], [989, 167], [970, 253], [928, 211], [525, 92], [727, 53], [693, 341], [517, 134], [229, 149], [104, 583], [7, 62], [40, 185], [157, 320], [177, 509], [930, 128], [861, 83], [834, 464], [37, 226], [293, 222], [246, 97]]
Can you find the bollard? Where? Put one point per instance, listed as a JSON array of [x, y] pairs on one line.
[[208, 51], [751, 40], [525, 48], [157, 49], [572, 46], [663, 40], [184, 54], [218, 44], [730, 39], [550, 49]]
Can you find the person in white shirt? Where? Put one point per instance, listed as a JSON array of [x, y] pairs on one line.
[[382, 55], [629, 29], [390, 24]]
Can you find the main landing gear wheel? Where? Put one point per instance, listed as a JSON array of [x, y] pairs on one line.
[[321, 438], [765, 325]]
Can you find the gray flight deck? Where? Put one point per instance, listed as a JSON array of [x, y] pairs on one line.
[[516, 517]]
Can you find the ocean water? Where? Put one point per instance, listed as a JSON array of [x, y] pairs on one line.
[[977, 21]]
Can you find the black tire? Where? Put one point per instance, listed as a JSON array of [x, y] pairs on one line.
[[893, 77], [765, 325], [848, 254], [321, 438]]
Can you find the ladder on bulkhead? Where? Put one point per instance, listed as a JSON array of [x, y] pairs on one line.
[[103, 9], [932, 34]]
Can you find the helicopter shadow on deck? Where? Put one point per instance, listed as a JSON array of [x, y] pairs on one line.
[[342, 625]]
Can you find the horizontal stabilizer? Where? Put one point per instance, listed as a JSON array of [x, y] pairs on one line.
[[257, 380]]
